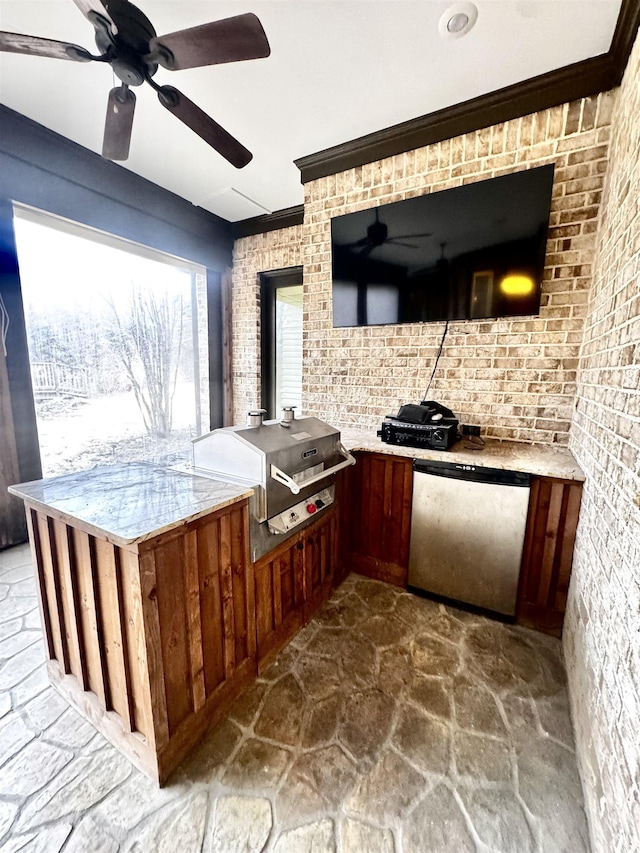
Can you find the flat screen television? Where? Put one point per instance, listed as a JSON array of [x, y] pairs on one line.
[[467, 253]]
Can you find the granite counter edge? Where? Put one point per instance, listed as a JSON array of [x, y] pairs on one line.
[[124, 541], [565, 467]]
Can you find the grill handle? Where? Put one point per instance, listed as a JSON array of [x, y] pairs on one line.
[[295, 488]]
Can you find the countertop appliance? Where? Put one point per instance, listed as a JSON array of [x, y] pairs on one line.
[[467, 533], [427, 424], [289, 462]]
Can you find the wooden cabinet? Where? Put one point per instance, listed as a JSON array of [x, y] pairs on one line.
[[376, 517], [375, 529], [151, 642], [291, 583], [319, 548], [554, 506]]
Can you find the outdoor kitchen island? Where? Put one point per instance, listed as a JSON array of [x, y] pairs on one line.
[[147, 602]]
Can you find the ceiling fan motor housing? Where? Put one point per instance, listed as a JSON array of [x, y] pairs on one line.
[[130, 45]]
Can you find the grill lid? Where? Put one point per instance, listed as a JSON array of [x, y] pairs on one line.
[[281, 458]]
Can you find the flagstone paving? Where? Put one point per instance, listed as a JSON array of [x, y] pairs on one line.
[[390, 724]]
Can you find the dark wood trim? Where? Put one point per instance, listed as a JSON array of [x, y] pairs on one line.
[[579, 80], [538, 93], [285, 218], [216, 350], [623, 37], [227, 348]]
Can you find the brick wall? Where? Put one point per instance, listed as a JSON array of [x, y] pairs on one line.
[[251, 256], [602, 628], [516, 378]]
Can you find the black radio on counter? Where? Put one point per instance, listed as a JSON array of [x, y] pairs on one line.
[[427, 425]]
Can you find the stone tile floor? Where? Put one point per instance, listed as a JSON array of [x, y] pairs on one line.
[[390, 723]]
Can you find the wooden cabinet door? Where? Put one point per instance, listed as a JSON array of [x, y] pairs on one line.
[[554, 507], [279, 591], [319, 558], [377, 523], [291, 582]]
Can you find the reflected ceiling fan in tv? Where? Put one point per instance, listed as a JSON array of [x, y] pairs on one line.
[[378, 235], [471, 252]]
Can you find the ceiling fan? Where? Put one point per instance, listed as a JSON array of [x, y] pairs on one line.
[[378, 234], [127, 41]]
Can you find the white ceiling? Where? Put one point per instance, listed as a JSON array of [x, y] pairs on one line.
[[338, 69]]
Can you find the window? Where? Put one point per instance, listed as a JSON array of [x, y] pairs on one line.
[[281, 344], [118, 346]]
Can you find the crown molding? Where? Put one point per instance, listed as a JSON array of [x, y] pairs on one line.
[[285, 218], [579, 80]]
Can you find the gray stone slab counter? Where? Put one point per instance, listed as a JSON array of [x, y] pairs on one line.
[[543, 460], [130, 503]]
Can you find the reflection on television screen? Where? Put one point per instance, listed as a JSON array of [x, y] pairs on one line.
[[471, 252]]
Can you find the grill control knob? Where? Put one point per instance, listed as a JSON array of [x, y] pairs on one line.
[[319, 503], [311, 508]]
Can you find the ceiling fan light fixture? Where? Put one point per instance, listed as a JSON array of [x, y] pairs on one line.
[[458, 20]]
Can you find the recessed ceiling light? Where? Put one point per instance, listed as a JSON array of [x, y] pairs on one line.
[[458, 20]]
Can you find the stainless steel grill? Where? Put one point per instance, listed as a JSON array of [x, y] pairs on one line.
[[290, 463]]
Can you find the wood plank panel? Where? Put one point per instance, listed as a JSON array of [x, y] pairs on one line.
[[379, 510], [194, 728], [108, 600], [551, 534], [249, 581], [194, 617], [554, 507], [573, 494], [36, 554], [52, 584], [153, 644], [406, 499], [135, 748], [88, 620], [391, 528], [276, 586], [265, 600], [346, 503], [66, 561], [286, 570], [238, 578], [135, 647], [171, 596], [361, 527], [374, 521], [226, 587], [318, 554], [210, 604]]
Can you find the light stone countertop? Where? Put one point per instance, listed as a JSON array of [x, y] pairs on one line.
[[132, 502], [544, 460]]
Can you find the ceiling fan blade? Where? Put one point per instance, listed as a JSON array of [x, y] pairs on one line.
[[394, 241], [363, 241], [412, 236], [117, 129], [35, 46], [367, 250], [229, 40], [202, 124], [96, 12]]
